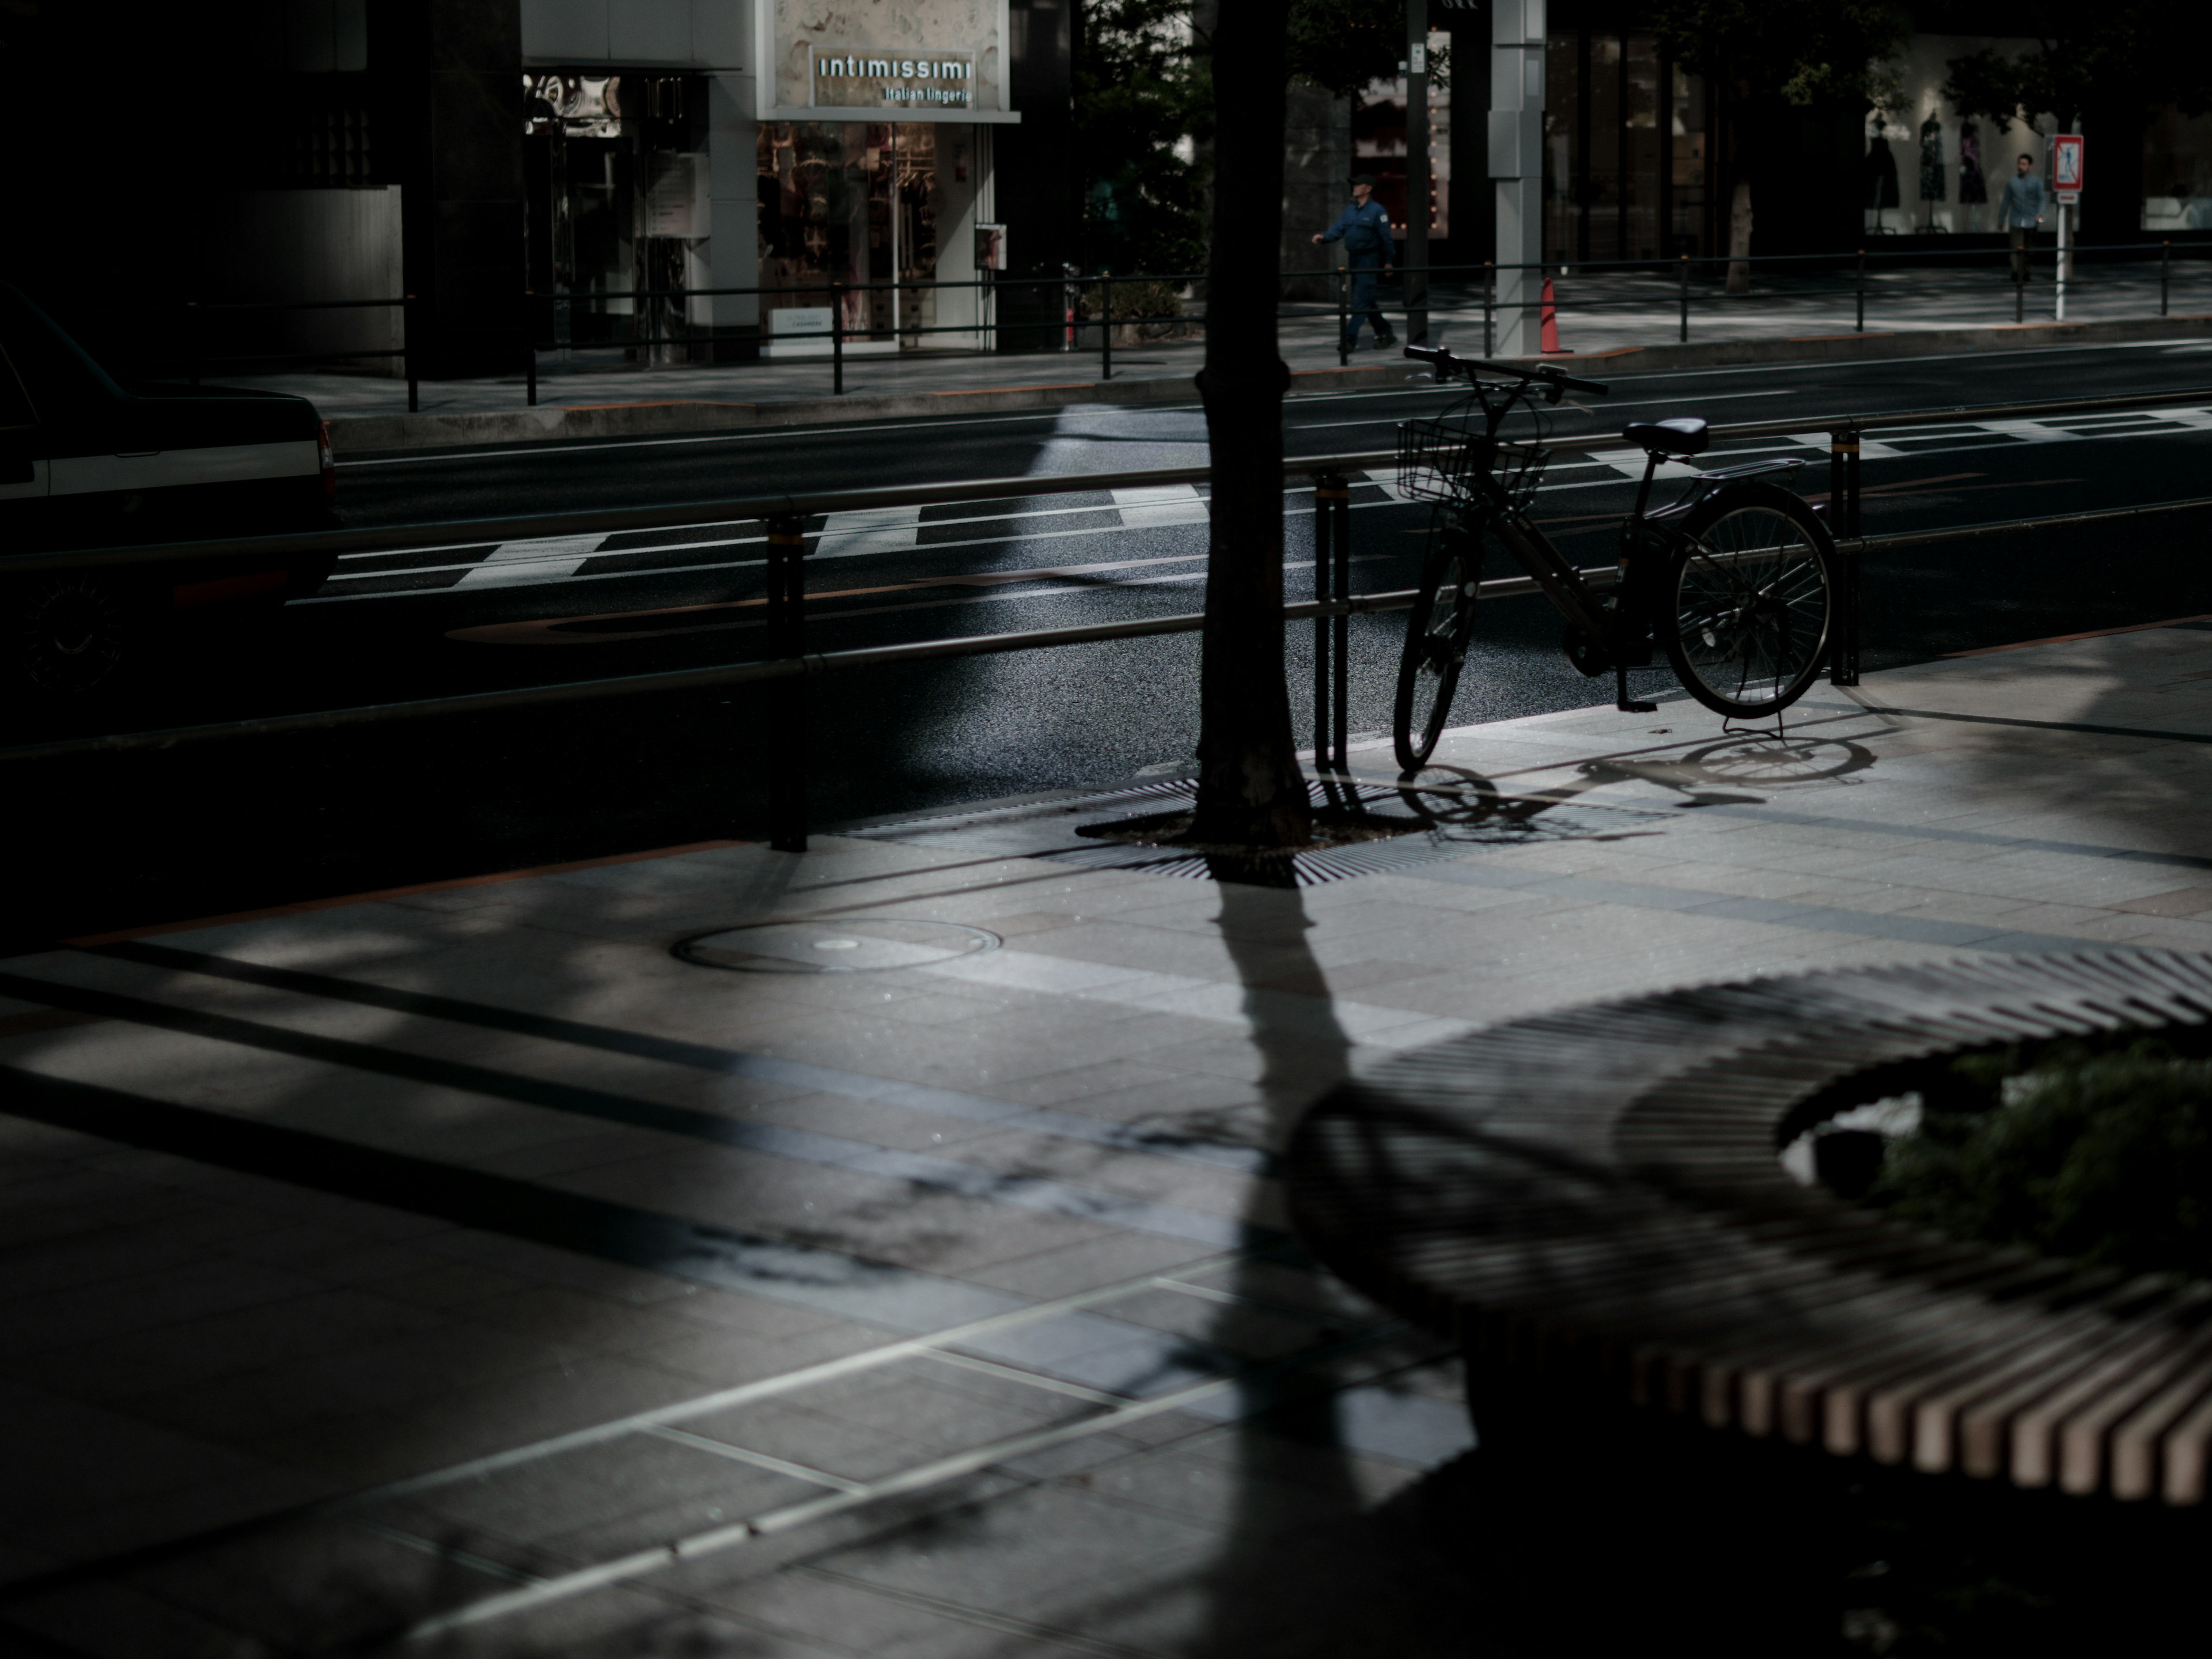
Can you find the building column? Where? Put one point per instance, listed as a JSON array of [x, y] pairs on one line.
[[1515, 142], [733, 214], [449, 79]]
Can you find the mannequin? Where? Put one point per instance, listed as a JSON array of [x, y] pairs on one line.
[[1880, 172], [1932, 184]]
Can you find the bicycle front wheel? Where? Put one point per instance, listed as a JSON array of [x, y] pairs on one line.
[[1435, 647], [1750, 601]]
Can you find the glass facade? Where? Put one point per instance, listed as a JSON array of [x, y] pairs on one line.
[[2178, 172], [1625, 152], [1378, 144]]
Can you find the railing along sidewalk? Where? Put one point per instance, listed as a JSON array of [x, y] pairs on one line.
[[1068, 317], [786, 517]]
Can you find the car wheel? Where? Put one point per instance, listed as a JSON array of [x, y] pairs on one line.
[[74, 633]]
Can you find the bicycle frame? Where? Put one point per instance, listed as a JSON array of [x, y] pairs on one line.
[[1646, 536]]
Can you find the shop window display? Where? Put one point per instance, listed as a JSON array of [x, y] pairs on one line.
[[2178, 172], [856, 203]]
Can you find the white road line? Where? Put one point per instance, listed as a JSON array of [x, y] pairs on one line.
[[538, 451], [1595, 409], [525, 564]]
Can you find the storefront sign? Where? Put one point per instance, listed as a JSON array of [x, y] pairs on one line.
[[849, 79]]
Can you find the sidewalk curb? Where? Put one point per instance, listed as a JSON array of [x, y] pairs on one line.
[[365, 434]]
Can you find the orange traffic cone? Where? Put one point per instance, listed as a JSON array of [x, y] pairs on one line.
[[1548, 335]]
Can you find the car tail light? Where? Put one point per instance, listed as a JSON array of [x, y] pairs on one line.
[[330, 462]]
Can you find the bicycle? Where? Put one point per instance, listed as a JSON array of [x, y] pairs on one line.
[[1735, 580]]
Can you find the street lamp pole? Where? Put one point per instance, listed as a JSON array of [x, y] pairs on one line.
[[1417, 184]]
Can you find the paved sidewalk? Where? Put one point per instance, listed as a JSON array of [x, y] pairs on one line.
[[472, 1246], [1595, 314]]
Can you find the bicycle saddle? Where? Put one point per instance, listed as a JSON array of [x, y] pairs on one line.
[[1684, 435]]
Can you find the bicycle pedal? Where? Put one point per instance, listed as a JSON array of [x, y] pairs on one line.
[[1628, 706]]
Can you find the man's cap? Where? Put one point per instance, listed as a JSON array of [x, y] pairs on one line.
[[1366, 178]]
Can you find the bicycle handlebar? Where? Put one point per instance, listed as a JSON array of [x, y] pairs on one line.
[[1544, 372]]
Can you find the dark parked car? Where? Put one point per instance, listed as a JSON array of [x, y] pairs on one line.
[[85, 463]]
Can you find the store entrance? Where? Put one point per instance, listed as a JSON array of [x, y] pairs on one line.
[[617, 188], [856, 203]]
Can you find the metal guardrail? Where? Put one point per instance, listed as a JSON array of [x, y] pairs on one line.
[[790, 664]]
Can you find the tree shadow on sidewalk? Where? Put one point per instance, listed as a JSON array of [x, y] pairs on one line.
[[1328, 1552]]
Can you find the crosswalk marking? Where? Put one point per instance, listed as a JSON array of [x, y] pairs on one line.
[[521, 564], [876, 530], [1152, 505]]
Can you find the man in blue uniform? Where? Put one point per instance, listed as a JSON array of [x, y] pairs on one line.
[[1364, 230]]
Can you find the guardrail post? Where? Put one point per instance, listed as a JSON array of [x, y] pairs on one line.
[[1340, 508], [407, 350], [1686, 300], [1489, 307], [836, 345], [1343, 319], [529, 350], [787, 639], [2165, 256], [1105, 324], [1844, 523], [1860, 325], [1326, 487]]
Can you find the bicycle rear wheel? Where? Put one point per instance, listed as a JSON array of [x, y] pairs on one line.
[[1750, 601], [1435, 645]]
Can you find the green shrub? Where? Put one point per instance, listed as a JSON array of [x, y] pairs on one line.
[[1158, 302], [2098, 1152]]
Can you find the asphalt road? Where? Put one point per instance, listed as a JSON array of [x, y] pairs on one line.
[[216, 831]]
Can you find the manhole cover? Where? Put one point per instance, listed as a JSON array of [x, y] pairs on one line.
[[858, 946]]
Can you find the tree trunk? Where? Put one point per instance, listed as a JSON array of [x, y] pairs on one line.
[[1739, 271], [1251, 789]]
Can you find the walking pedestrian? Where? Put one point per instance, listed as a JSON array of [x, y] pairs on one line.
[[1369, 249], [2025, 198]]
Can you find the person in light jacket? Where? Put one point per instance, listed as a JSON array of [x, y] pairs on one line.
[[1364, 230], [2025, 199]]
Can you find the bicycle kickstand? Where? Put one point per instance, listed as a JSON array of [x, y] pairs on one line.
[[1622, 700]]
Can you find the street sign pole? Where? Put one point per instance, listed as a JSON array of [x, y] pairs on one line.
[[1515, 142], [2066, 190], [1416, 276], [2065, 213]]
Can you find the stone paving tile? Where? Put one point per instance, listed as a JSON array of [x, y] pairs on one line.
[[1023, 1554], [597, 1501], [724, 1358], [1077, 1267], [1119, 998], [65, 1455], [117, 1368]]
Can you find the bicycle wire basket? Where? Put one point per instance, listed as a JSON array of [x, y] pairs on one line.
[[1444, 460]]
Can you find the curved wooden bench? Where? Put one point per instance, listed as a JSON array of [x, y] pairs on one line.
[[1595, 1196]]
